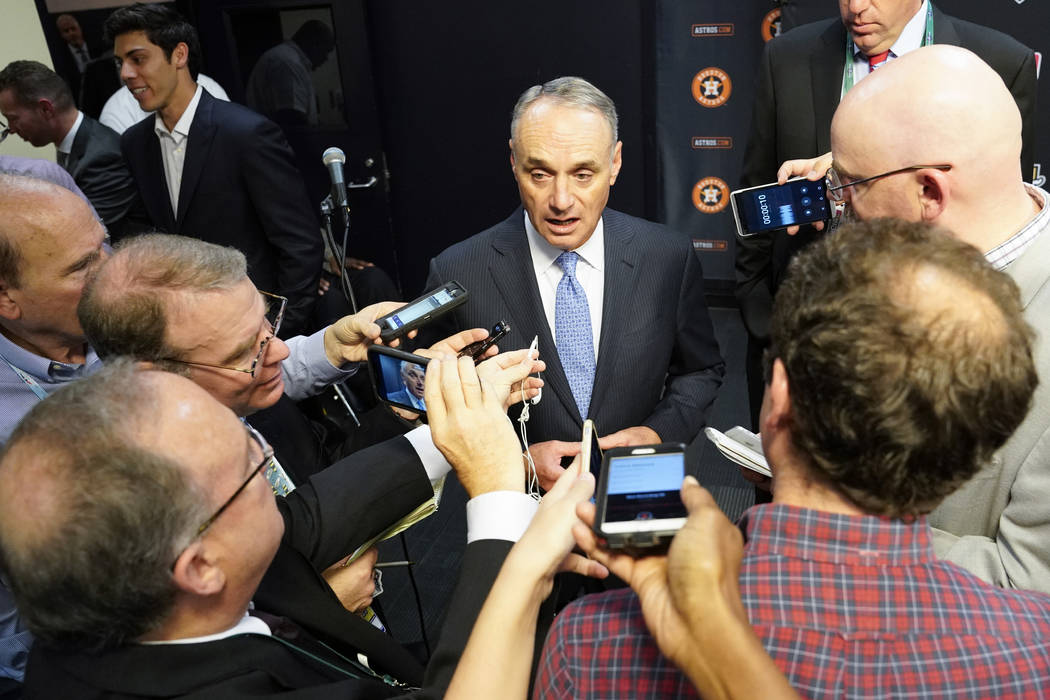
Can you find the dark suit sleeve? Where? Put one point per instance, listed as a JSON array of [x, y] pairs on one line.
[[277, 192], [103, 176], [354, 500], [696, 368], [754, 254]]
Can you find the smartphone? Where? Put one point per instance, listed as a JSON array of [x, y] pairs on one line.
[[431, 305], [639, 505], [398, 377], [590, 451], [770, 207], [477, 349]]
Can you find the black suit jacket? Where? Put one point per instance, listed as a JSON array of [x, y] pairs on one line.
[[239, 188], [797, 93], [330, 516], [98, 168], [658, 360]]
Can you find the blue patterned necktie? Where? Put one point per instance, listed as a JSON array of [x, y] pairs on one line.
[[572, 332]]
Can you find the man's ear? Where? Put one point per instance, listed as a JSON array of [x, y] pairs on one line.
[[933, 197], [9, 308], [778, 397], [180, 55], [197, 573], [46, 108], [510, 143], [614, 169]]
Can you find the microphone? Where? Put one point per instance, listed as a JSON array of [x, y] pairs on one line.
[[333, 159]]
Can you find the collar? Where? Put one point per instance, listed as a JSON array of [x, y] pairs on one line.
[[1009, 250], [182, 126], [544, 254], [41, 367], [246, 625], [850, 540], [910, 37], [66, 145]]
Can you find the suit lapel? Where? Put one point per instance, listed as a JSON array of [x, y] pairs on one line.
[[515, 279], [202, 131], [153, 185], [944, 29], [620, 279], [825, 67]]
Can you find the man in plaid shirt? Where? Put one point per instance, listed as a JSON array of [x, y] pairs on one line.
[[900, 361]]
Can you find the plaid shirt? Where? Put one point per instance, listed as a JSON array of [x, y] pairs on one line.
[[847, 606]]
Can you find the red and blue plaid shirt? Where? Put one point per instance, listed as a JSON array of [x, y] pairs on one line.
[[847, 606]]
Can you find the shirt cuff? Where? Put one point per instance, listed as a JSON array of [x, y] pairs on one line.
[[434, 463], [307, 370], [499, 515]]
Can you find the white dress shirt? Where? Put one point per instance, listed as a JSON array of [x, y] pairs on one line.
[[66, 144], [173, 147], [590, 273]]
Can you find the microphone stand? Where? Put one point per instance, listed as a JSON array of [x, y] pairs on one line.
[[327, 214]]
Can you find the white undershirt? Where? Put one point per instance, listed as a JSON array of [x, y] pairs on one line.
[[590, 273], [173, 147]]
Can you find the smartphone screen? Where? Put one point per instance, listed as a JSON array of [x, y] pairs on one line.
[[778, 206], [644, 488], [412, 312], [399, 382]]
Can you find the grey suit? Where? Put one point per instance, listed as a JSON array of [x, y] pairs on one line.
[[658, 360], [98, 168], [998, 524]]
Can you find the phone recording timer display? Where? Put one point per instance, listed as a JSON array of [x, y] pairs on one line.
[[771, 207]]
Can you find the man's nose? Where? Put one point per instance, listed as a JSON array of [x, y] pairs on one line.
[[562, 197]]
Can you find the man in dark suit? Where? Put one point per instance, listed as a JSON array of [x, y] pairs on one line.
[[804, 73], [211, 169], [166, 476], [39, 107], [584, 278]]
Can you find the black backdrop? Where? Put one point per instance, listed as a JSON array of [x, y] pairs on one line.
[[446, 74]]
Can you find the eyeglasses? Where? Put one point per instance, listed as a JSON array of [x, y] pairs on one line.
[[275, 307], [836, 185], [259, 442], [4, 131]]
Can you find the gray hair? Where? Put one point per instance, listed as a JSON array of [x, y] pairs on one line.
[[570, 91], [90, 568], [124, 308]]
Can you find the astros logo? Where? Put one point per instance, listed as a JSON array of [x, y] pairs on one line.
[[771, 24], [712, 87], [711, 195]]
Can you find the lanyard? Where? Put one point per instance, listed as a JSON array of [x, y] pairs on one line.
[[28, 380], [851, 51]]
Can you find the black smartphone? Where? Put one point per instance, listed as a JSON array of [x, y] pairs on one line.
[[639, 505], [431, 305], [477, 349], [398, 377], [770, 207]]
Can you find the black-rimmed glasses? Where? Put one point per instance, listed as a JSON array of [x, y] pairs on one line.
[[275, 307], [267, 454], [836, 185]]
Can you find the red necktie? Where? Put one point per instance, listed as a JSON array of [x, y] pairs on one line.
[[876, 60]]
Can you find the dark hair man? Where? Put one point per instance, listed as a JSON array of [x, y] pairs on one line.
[[39, 107], [900, 362], [212, 169]]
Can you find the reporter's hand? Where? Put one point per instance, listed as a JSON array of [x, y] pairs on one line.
[[809, 168], [347, 339], [506, 372], [637, 435], [357, 263], [354, 585], [451, 345], [547, 457], [546, 546], [471, 429]]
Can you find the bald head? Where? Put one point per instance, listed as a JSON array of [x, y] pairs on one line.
[[936, 105]]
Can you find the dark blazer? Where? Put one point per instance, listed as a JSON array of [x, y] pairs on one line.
[[658, 360], [338, 510], [98, 168], [239, 188], [797, 93]]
